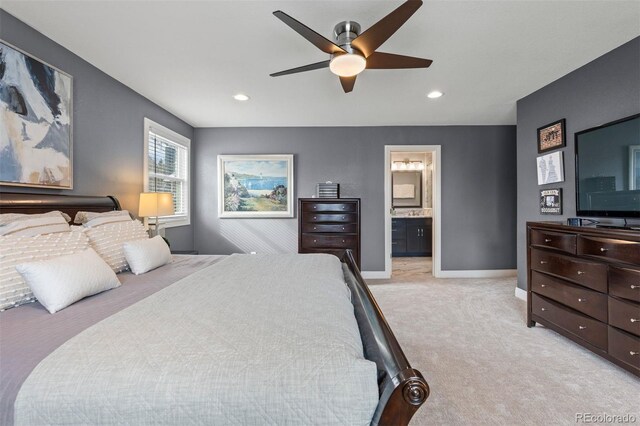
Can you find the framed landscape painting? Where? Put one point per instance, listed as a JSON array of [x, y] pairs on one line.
[[251, 186], [36, 116]]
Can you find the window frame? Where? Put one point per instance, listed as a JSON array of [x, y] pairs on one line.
[[153, 127]]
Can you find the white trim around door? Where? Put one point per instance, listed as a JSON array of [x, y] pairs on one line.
[[436, 153]]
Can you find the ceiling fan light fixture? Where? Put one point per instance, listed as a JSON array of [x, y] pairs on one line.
[[434, 94], [241, 97], [348, 64]]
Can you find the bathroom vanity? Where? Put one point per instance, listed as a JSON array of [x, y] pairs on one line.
[[411, 236]]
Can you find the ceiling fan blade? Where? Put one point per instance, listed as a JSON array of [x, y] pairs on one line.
[[319, 41], [310, 67], [381, 61], [348, 83], [371, 39]]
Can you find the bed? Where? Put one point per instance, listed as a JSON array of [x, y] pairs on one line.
[[327, 355]]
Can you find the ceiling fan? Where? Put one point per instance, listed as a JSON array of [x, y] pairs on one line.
[[353, 51]]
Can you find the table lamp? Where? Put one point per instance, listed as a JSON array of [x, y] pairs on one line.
[[155, 204]]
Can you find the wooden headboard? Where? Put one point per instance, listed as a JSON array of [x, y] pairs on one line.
[[12, 202]]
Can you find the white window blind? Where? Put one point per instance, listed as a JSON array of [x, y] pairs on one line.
[[168, 170]]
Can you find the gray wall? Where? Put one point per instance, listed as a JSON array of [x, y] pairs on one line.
[[107, 126], [604, 90], [478, 187]]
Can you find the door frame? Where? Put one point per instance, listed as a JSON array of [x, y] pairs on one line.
[[436, 187]]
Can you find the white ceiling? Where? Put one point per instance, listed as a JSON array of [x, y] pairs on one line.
[[190, 57]]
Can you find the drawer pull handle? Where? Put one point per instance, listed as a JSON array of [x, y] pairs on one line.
[[602, 249], [314, 228], [343, 217], [547, 240], [634, 320], [581, 300], [344, 207], [543, 309], [315, 241], [315, 217], [632, 353], [633, 286], [543, 262], [581, 272], [343, 241], [543, 285], [315, 207], [343, 228], [582, 327]]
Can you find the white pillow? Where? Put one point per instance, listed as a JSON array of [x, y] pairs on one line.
[[107, 240], [83, 217], [10, 217], [19, 249], [145, 255], [32, 225], [59, 282]]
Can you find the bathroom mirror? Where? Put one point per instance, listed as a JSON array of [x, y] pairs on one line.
[[406, 189]]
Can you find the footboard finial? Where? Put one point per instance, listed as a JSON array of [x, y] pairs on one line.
[[415, 392]]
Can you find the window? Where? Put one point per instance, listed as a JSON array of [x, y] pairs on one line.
[[166, 169]]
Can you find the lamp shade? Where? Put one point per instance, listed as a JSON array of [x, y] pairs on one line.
[[156, 204]]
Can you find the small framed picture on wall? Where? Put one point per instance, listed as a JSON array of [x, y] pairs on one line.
[[550, 168], [552, 136], [551, 201]]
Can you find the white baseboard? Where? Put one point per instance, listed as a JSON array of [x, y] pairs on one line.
[[521, 294], [375, 275], [487, 273]]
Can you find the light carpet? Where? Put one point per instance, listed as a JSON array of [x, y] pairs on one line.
[[484, 366]]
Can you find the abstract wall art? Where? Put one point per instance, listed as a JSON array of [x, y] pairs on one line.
[[35, 122]]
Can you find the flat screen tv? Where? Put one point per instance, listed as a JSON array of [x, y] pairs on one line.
[[608, 169]]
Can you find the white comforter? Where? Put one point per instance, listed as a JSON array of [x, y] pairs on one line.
[[252, 340]]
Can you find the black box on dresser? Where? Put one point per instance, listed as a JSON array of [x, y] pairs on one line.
[[584, 283], [329, 225]]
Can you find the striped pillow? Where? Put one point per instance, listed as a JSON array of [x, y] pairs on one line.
[[15, 249], [31, 225], [10, 217], [83, 217], [108, 241]]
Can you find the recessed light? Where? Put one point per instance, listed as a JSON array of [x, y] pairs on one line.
[[241, 97], [435, 94]]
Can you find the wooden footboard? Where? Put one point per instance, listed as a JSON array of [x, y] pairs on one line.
[[402, 389]]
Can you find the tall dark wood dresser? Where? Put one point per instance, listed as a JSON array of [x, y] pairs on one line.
[[584, 283], [329, 225]]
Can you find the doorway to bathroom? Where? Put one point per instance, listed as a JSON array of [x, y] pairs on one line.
[[412, 206]]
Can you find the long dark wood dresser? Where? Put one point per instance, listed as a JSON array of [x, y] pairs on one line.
[[584, 283], [329, 225]]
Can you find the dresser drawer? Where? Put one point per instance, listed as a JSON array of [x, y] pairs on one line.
[[586, 328], [349, 228], [583, 272], [329, 241], [610, 249], [554, 240], [341, 218], [329, 207], [624, 315], [624, 347], [579, 298], [624, 283]]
